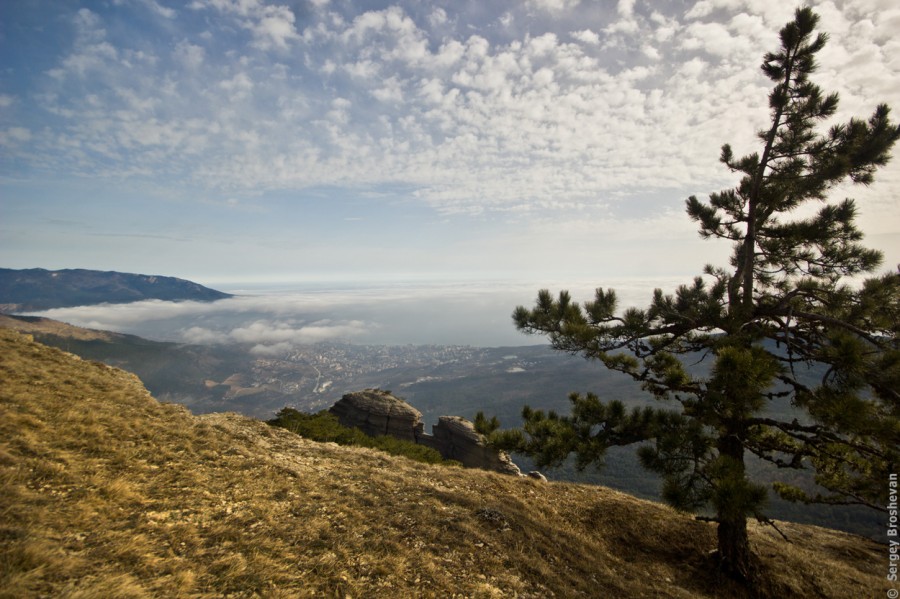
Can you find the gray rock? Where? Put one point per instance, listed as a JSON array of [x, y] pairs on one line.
[[376, 412], [456, 439]]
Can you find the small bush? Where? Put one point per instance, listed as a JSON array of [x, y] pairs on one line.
[[324, 427], [408, 449]]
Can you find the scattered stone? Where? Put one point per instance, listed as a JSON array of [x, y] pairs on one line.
[[493, 516], [537, 476]]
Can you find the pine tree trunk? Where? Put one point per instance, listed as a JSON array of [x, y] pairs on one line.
[[733, 544], [734, 549]]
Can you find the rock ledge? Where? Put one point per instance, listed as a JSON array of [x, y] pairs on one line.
[[377, 412]]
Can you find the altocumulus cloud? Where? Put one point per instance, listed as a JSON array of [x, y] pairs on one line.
[[473, 107]]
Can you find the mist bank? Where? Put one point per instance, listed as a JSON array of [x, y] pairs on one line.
[[278, 316]]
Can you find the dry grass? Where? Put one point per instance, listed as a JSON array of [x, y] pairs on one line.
[[48, 326], [106, 492]]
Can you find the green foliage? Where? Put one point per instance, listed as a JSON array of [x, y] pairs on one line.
[[408, 449], [485, 426], [324, 427], [592, 427], [779, 313]]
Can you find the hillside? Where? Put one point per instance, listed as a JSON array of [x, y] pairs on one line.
[[39, 289], [218, 378], [107, 492], [187, 374]]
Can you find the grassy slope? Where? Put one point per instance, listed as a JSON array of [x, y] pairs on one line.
[[176, 371], [106, 492]]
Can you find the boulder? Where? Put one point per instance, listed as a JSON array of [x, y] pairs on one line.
[[376, 412], [456, 439]]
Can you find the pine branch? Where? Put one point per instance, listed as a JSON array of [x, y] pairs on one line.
[[839, 323], [769, 522], [856, 499], [815, 435]]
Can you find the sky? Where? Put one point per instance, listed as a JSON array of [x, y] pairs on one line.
[[252, 141]]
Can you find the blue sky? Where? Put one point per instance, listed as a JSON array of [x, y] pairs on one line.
[[251, 140]]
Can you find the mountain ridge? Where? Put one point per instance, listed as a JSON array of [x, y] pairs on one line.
[[107, 492], [35, 289]]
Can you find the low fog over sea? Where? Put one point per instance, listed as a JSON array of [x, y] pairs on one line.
[[278, 316]]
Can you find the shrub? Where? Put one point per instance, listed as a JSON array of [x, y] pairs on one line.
[[324, 427]]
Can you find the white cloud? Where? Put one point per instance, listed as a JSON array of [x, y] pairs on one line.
[[650, 52], [437, 17], [391, 91], [275, 28], [190, 55], [202, 336], [586, 36], [159, 9], [91, 50], [706, 7], [553, 6], [712, 38], [625, 8], [465, 312], [14, 135], [239, 88], [271, 350], [271, 337]]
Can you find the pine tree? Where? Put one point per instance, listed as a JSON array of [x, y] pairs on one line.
[[780, 324]]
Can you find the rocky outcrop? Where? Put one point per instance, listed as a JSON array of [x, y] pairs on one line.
[[456, 439], [377, 412]]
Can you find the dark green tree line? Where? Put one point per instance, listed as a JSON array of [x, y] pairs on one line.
[[781, 311]]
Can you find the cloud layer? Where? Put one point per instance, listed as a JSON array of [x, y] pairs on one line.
[[274, 323], [471, 108], [220, 139]]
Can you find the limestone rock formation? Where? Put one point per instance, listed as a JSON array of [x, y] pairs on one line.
[[376, 412], [456, 439]]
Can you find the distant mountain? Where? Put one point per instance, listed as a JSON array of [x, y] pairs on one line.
[[39, 289]]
